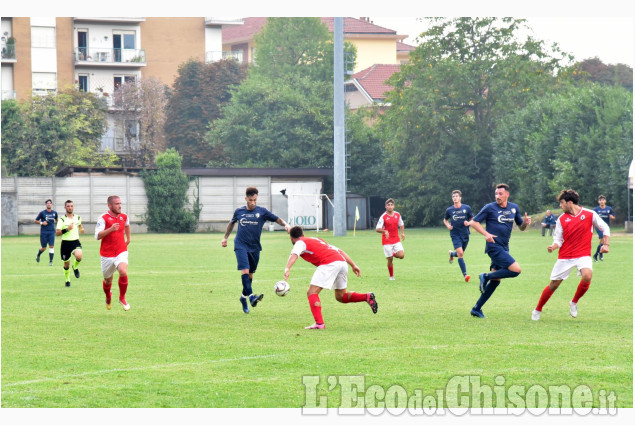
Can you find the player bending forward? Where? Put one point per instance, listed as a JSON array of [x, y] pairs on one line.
[[573, 234], [331, 273]]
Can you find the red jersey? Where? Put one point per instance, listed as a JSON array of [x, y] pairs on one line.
[[574, 233], [316, 251], [113, 243], [392, 224]]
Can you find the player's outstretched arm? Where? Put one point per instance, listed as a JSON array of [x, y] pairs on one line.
[[349, 260], [284, 224], [479, 228], [228, 232], [287, 270]]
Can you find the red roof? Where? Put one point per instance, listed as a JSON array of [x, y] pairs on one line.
[[403, 47], [251, 26], [373, 79]]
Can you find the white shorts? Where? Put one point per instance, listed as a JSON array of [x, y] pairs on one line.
[[331, 276], [109, 264], [389, 250], [563, 267]]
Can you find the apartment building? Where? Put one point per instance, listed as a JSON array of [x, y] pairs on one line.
[[41, 55]]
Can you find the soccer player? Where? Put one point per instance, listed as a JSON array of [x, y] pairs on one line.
[[499, 219], [250, 219], [69, 226], [574, 231], [457, 220], [388, 225], [607, 214], [110, 229], [47, 219], [331, 273], [548, 223]]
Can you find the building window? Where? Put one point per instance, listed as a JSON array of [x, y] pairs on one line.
[[123, 79], [43, 37], [44, 82], [83, 83]]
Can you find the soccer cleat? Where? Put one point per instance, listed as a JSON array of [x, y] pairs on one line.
[[477, 313], [370, 299], [451, 256], [595, 257], [392, 277], [109, 301], [467, 277], [37, 258], [573, 309], [315, 326], [601, 256], [50, 263], [253, 299], [535, 315], [243, 301], [76, 271], [124, 304], [68, 284], [482, 282]]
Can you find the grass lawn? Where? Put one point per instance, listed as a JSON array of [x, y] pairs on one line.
[[186, 342]]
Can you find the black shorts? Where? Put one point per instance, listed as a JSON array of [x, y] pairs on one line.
[[68, 247]]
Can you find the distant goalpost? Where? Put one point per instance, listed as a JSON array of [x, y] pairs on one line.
[[306, 210]]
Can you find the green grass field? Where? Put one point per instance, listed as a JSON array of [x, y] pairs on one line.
[[186, 342]]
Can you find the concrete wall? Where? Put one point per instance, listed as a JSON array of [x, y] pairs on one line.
[[9, 214]]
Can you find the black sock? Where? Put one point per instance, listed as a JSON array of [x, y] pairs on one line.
[[246, 284], [489, 290]]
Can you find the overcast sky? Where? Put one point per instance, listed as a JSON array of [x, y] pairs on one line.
[[610, 39]]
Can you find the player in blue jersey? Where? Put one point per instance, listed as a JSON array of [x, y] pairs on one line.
[[250, 219], [606, 213], [499, 219], [47, 219], [457, 220]]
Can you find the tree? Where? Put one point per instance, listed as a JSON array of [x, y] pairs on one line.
[[282, 114], [48, 133], [593, 69], [198, 93], [166, 188], [143, 103], [463, 79], [580, 139]]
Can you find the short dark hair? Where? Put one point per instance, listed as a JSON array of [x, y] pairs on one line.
[[68, 201], [503, 186], [569, 195], [251, 191], [112, 198], [457, 191], [47, 201], [389, 200], [601, 197], [296, 232]]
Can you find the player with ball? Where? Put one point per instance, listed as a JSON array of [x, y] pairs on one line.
[[331, 273]]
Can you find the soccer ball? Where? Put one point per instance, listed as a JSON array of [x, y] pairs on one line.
[[281, 288]]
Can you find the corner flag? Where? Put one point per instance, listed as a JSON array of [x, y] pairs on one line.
[[356, 219]]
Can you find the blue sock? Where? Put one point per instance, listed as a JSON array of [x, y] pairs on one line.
[[501, 274], [489, 290], [597, 251], [462, 266], [51, 257], [246, 284]]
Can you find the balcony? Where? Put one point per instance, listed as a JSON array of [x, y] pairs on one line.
[[223, 21], [9, 94], [8, 53], [100, 57], [119, 145], [216, 56], [110, 20]]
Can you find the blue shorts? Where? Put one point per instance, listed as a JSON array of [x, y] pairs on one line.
[[47, 238], [459, 241], [600, 233], [247, 260], [499, 255]]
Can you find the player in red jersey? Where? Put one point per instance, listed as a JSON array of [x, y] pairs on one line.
[[388, 225], [573, 234], [331, 273], [110, 229]]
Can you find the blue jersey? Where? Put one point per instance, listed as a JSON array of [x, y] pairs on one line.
[[605, 213], [499, 221], [456, 217], [550, 219], [250, 224], [49, 217]]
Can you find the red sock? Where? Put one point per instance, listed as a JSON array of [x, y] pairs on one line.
[[106, 289], [353, 297], [123, 286], [390, 270], [316, 308], [582, 288], [546, 294]]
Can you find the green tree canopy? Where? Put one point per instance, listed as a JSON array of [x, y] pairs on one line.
[[466, 77], [580, 139], [199, 91], [48, 133]]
